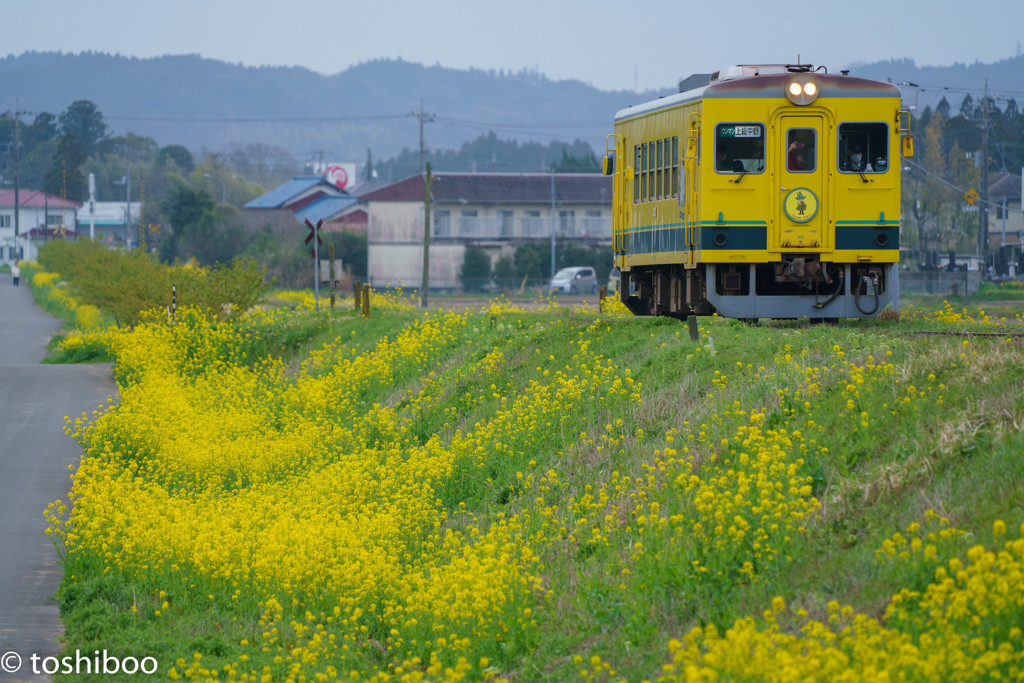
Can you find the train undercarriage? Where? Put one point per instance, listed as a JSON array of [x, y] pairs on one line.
[[798, 286]]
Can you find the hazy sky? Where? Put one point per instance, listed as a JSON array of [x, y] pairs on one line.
[[611, 45]]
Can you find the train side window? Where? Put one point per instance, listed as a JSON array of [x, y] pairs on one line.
[[739, 148], [643, 172], [675, 166], [658, 169], [801, 150], [636, 173], [863, 147]]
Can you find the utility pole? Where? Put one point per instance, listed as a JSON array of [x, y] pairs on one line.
[[128, 207], [983, 208], [424, 117], [426, 241], [17, 160], [553, 225]]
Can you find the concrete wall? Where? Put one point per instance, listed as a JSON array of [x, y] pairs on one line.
[[941, 282], [401, 265]]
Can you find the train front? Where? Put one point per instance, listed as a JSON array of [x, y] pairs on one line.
[[800, 197]]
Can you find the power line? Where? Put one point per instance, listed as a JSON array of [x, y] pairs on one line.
[[945, 182], [305, 119]]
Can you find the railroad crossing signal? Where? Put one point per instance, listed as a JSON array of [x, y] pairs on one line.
[[314, 233]]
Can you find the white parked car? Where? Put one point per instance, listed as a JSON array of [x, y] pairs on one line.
[[576, 280]]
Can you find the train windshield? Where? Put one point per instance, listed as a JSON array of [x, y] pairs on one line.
[[863, 147], [739, 148]]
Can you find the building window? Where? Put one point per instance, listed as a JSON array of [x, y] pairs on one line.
[[505, 224], [533, 224], [54, 220], [593, 224], [442, 223], [469, 223], [5, 221], [567, 223]]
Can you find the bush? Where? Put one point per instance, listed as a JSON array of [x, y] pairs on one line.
[[127, 283], [476, 268]]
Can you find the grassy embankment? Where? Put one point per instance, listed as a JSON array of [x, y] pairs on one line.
[[551, 495]]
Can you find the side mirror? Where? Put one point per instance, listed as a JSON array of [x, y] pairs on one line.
[[608, 167], [907, 142]]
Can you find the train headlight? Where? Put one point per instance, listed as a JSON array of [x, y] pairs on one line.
[[801, 89]]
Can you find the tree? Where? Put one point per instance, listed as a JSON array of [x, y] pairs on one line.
[[476, 268], [350, 248], [584, 163], [134, 148], [1012, 113], [43, 129], [961, 173], [263, 164], [533, 260], [185, 208], [967, 107], [177, 155], [216, 237], [504, 273], [927, 193], [64, 177], [85, 121]]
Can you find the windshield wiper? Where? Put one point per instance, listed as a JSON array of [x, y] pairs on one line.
[[746, 169]]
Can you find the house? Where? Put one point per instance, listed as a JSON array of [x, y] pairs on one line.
[[302, 198], [496, 211], [41, 216]]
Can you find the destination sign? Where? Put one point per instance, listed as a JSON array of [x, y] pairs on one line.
[[733, 131]]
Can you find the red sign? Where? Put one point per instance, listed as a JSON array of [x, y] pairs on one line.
[[340, 175]]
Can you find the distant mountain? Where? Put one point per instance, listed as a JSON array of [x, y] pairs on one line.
[[208, 104], [204, 103], [926, 85]]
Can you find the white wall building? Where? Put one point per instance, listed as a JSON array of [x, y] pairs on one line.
[[495, 211], [40, 217]]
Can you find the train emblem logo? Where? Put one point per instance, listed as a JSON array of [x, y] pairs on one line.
[[800, 205]]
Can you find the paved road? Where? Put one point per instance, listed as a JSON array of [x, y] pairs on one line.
[[34, 458]]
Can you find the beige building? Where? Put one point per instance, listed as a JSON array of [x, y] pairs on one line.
[[496, 211], [1005, 220]]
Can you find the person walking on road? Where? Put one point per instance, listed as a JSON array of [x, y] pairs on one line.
[[16, 272]]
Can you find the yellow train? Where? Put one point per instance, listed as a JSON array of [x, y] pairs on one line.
[[771, 191]]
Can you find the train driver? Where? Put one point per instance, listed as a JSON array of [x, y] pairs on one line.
[[856, 161]]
